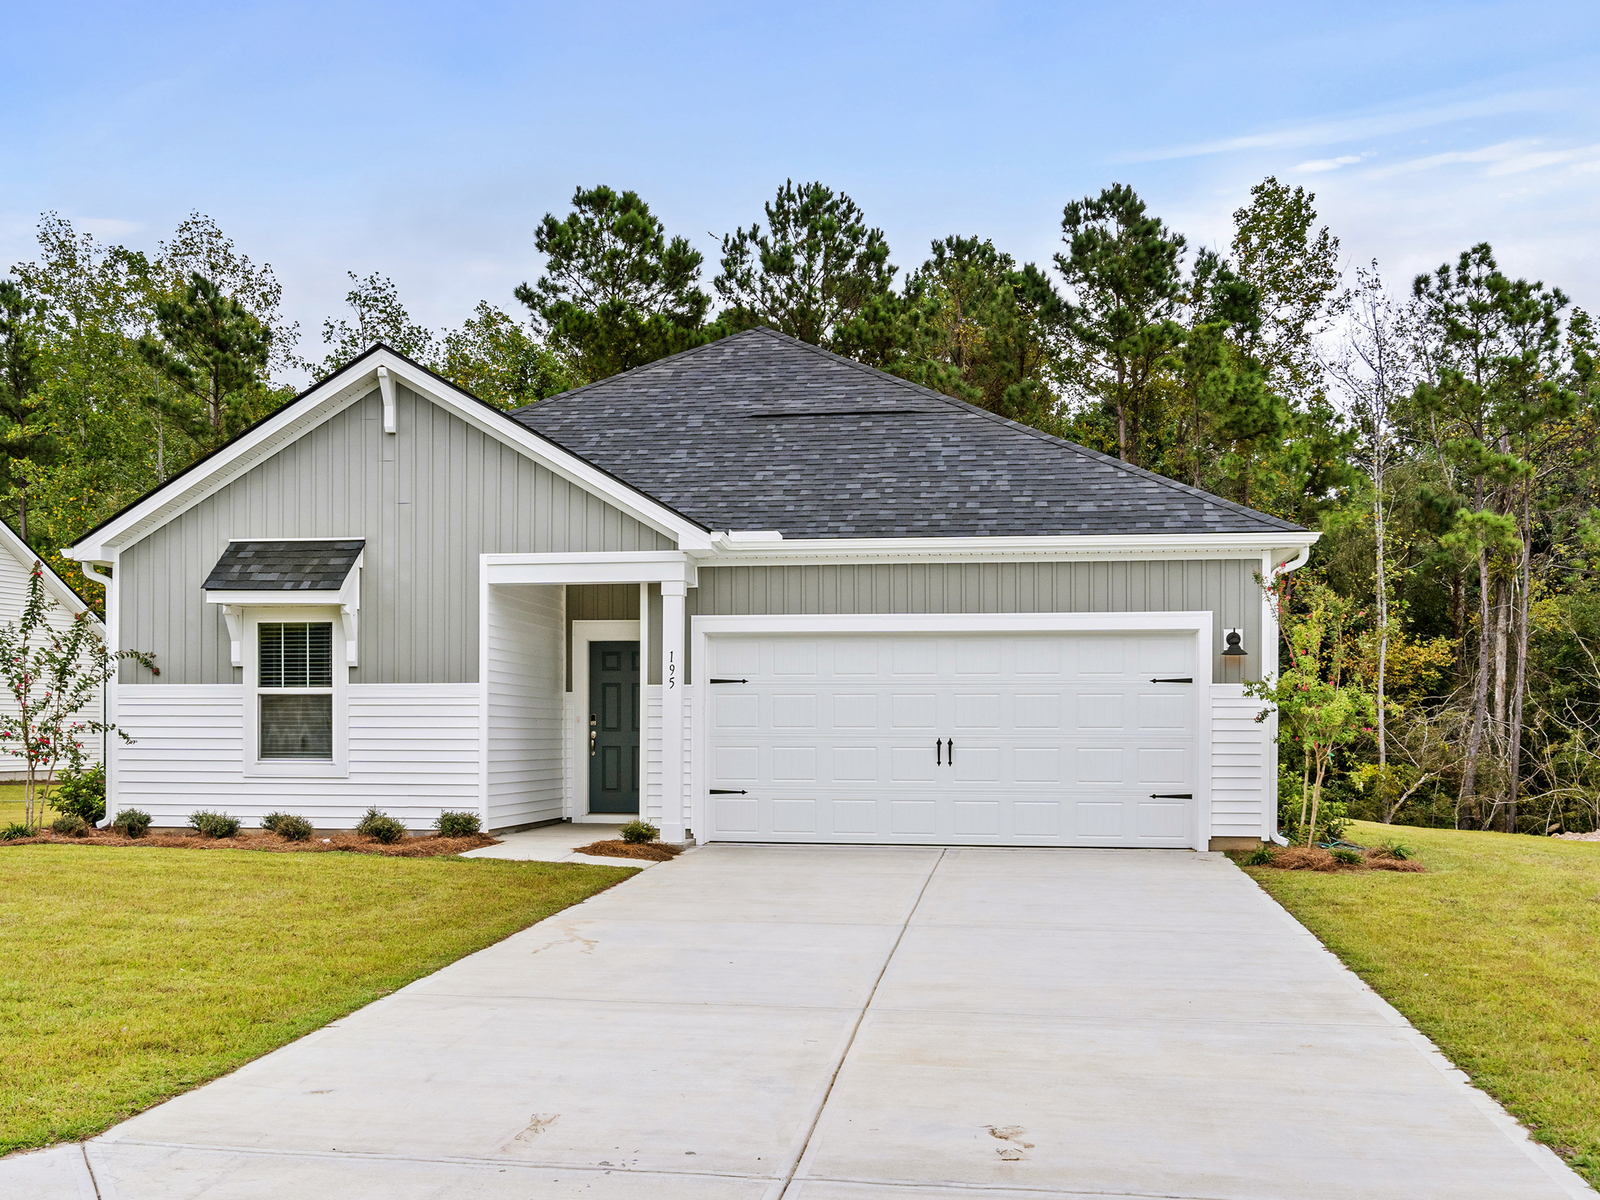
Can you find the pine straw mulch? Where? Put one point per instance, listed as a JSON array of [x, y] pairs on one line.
[[617, 848], [1315, 858], [427, 846]]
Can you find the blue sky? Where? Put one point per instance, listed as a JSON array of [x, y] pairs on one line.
[[424, 142]]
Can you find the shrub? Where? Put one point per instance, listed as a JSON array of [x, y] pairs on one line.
[[1398, 851], [381, 827], [214, 825], [82, 794], [639, 832], [457, 824], [71, 825], [132, 822], [14, 831], [1344, 855], [287, 826], [1259, 857]]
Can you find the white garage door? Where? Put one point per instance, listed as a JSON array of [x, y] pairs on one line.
[[1073, 739]]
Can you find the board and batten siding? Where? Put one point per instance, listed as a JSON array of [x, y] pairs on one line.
[[526, 702], [428, 499], [14, 576], [1225, 587], [413, 752]]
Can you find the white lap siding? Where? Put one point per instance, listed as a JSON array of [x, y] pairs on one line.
[[1242, 784], [525, 628], [413, 753]]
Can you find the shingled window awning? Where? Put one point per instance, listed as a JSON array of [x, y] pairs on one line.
[[321, 572], [285, 566]]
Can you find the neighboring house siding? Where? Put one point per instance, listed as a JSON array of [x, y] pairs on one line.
[[413, 752], [13, 598], [525, 706], [1225, 587], [428, 500]]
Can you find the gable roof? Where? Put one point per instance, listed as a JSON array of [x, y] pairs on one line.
[[308, 565], [760, 431], [327, 397], [64, 593]]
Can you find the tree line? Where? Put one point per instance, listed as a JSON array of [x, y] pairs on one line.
[[1440, 436]]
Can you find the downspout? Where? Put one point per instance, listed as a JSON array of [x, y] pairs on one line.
[[104, 580], [1294, 564]]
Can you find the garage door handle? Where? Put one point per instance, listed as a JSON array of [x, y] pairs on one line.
[[950, 750], [1185, 680], [730, 681], [938, 752], [729, 792], [1172, 795]]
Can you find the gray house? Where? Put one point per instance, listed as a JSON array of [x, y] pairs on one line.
[[755, 592]]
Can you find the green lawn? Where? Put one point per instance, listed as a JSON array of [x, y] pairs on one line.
[[1494, 954], [129, 976], [11, 807]]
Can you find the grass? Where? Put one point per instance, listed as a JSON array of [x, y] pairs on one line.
[[127, 977], [11, 805], [1494, 954]]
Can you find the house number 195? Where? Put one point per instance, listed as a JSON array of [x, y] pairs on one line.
[[672, 668]]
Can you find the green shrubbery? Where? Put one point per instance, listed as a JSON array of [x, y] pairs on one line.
[[14, 831], [381, 827], [213, 824], [71, 825], [639, 832], [289, 827], [132, 822], [457, 824], [82, 794]]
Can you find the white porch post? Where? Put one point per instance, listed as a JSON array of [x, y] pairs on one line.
[[674, 762]]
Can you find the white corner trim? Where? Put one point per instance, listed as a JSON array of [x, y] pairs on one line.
[[329, 398], [1198, 623], [618, 566]]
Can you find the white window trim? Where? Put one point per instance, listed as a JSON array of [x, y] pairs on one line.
[[256, 767], [1197, 623]]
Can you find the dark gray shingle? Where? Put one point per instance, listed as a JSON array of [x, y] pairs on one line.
[[284, 566], [761, 431]]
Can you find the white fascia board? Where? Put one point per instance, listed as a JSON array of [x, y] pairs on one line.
[[1016, 549], [53, 583], [325, 402], [1081, 622], [618, 566]]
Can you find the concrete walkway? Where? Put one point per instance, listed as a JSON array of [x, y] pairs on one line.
[[853, 1024], [558, 843]]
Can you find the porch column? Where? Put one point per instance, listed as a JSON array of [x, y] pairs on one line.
[[674, 762]]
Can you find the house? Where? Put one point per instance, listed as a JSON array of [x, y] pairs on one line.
[[16, 567], [755, 592]]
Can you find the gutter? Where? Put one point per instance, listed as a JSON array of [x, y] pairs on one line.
[[1294, 564]]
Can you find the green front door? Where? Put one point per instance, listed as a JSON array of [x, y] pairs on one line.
[[614, 727]]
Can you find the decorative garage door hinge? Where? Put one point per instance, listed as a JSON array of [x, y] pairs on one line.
[[728, 792]]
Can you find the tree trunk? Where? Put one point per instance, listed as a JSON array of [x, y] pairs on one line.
[[1480, 689], [1122, 414], [1514, 748], [1316, 802]]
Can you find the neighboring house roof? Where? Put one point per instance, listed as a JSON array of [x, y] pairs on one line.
[[760, 431], [63, 592], [284, 566]]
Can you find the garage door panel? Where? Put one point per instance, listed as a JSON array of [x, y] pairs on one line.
[[1059, 739]]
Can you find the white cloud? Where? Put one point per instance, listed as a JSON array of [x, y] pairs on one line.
[[1329, 164], [1494, 153], [1586, 155], [1358, 127], [108, 227]]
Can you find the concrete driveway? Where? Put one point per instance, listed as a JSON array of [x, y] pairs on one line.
[[840, 1023]]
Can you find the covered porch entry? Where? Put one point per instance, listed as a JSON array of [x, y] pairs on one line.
[[582, 667]]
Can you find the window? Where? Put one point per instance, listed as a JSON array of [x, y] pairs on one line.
[[295, 685]]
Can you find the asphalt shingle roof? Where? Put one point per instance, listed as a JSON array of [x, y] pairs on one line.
[[284, 566], [761, 431]]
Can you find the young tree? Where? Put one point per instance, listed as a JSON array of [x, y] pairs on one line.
[[1322, 711], [496, 359], [1375, 369], [380, 317], [616, 292], [215, 352], [815, 270], [1124, 269], [51, 675]]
